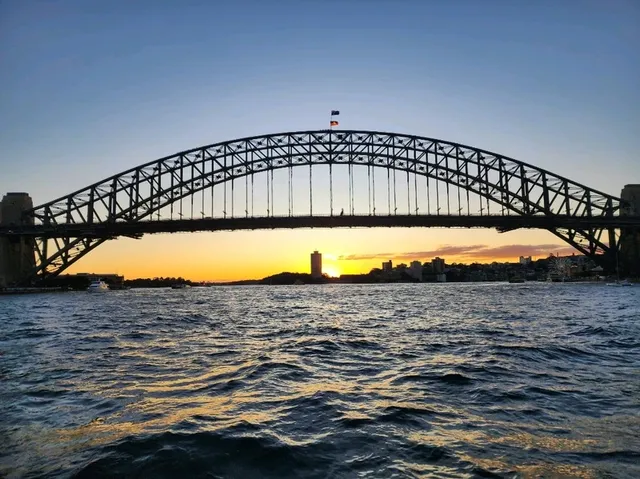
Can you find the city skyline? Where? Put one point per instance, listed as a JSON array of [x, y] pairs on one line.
[[316, 270], [92, 92], [317, 267]]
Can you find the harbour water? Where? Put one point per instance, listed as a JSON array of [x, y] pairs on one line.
[[404, 380]]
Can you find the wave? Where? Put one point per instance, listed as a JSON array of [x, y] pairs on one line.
[[372, 381], [206, 455]]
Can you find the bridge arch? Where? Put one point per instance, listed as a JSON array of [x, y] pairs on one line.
[[67, 226]]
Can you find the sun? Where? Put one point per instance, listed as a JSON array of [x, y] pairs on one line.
[[331, 272]]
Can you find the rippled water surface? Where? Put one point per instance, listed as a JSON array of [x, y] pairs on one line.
[[413, 380]]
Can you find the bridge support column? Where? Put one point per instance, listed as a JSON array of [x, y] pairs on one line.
[[629, 256], [17, 255]]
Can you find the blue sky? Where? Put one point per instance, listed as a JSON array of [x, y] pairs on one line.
[[97, 87], [91, 88]]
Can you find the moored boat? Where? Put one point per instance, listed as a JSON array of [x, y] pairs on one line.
[[98, 286]]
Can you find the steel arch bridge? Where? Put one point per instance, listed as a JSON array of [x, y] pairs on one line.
[[442, 183]]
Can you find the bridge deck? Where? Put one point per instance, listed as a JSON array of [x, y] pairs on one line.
[[502, 223]]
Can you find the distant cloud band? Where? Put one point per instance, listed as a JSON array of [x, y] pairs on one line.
[[478, 251]]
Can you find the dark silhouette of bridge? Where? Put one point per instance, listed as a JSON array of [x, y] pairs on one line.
[[381, 179]]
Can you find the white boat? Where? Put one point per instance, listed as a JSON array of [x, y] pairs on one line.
[[98, 286]]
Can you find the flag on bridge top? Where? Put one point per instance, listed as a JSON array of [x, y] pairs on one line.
[[335, 112], [334, 123]]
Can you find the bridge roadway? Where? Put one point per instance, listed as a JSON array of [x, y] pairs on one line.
[[138, 228]]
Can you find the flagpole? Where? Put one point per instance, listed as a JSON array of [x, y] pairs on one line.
[[333, 113]]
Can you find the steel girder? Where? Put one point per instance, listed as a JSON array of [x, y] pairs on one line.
[[511, 186]]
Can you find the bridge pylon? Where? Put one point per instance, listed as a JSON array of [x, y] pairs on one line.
[[17, 253], [629, 250]]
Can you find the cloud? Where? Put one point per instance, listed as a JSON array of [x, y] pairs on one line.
[[478, 251], [516, 250], [447, 249]]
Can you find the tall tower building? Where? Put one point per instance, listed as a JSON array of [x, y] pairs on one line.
[[316, 265]]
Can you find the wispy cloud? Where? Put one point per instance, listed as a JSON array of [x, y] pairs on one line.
[[349, 257], [478, 251], [515, 250]]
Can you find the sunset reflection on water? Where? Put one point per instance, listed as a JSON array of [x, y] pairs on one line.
[[324, 380]]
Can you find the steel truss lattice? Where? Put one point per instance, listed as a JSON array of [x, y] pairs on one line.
[[500, 185]]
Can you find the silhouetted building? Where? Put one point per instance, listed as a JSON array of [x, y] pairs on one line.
[[387, 266], [415, 270], [525, 260], [438, 265], [316, 265]]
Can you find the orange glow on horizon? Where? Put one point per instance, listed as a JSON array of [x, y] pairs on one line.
[[242, 255], [331, 271]]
